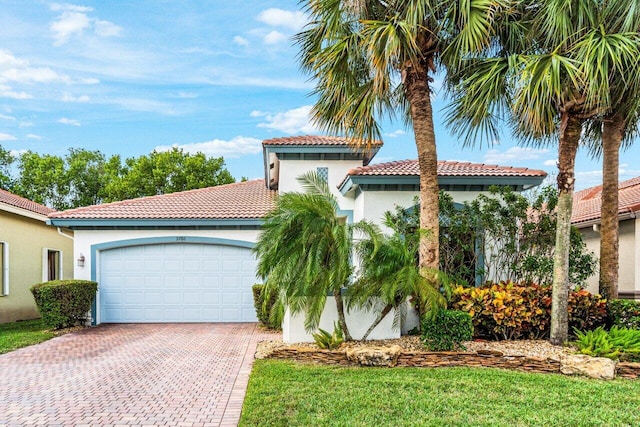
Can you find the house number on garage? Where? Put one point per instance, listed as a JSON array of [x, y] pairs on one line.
[[181, 239]]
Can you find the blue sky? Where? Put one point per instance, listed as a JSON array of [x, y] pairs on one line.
[[218, 77]]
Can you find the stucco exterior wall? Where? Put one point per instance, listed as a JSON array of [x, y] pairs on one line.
[[629, 258], [26, 238], [290, 170]]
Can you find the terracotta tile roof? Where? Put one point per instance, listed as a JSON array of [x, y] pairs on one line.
[[311, 140], [587, 202], [445, 168], [20, 202], [242, 200]]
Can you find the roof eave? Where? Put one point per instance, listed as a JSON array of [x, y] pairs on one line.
[[23, 212], [75, 223]]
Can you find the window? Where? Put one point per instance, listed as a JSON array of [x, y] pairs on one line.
[[51, 264], [4, 269], [323, 173]]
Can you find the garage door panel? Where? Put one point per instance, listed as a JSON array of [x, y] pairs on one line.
[[178, 282]]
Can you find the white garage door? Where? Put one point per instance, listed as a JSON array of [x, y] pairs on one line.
[[178, 282]]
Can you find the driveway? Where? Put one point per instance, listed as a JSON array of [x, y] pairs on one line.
[[150, 374]]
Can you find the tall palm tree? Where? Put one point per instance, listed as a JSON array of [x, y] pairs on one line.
[[611, 54], [371, 58], [540, 79], [305, 251]]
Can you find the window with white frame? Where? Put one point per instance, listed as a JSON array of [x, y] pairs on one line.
[[4, 269], [51, 264]]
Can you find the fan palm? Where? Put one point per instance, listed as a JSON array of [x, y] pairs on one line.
[[545, 80], [305, 251], [389, 275], [371, 58]]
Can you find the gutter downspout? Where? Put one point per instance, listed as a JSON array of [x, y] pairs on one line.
[[63, 234], [5, 269]]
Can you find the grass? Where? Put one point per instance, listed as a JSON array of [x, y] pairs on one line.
[[21, 334], [284, 393]]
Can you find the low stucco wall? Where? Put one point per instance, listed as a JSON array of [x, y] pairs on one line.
[[358, 322]]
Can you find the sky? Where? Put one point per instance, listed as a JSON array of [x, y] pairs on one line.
[[128, 77]]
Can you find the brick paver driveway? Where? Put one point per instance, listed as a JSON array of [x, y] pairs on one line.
[[153, 374]]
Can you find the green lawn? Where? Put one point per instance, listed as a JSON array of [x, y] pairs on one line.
[[283, 393], [21, 334]]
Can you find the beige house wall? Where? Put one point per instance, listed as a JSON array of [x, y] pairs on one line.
[[27, 238], [629, 245]]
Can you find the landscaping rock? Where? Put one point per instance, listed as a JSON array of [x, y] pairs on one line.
[[594, 367], [375, 356]]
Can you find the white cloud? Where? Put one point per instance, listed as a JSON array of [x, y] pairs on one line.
[[6, 117], [274, 37], [514, 155], [551, 162], [74, 20], [17, 153], [106, 28], [396, 133], [25, 124], [13, 69], [236, 147], [283, 18], [291, 121], [185, 95], [33, 136], [7, 137], [240, 41], [66, 121], [7, 92], [67, 97], [140, 104], [70, 7], [69, 23]]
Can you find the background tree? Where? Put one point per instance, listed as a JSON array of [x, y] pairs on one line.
[[371, 58], [167, 172], [43, 179], [6, 160]]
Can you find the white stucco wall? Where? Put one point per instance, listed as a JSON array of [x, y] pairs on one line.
[[84, 239], [290, 170]]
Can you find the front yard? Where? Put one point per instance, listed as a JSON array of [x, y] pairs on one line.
[[21, 334], [283, 393]]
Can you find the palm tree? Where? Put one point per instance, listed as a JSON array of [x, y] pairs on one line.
[[305, 251], [610, 52], [389, 275], [540, 79], [373, 57]]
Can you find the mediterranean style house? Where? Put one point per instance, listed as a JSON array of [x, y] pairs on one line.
[[186, 257]]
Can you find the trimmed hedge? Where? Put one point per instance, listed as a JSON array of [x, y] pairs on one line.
[[264, 309], [624, 313], [508, 310], [64, 303], [447, 330]]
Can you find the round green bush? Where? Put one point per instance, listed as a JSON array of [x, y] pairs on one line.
[[64, 303], [447, 330]]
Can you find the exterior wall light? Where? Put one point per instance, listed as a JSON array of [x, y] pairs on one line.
[[81, 260]]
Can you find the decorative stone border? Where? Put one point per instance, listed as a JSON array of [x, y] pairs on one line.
[[487, 359]]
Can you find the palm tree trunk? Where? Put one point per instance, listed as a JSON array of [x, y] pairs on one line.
[[381, 316], [612, 134], [418, 93], [342, 321], [570, 129]]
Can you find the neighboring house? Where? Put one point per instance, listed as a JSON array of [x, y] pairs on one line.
[[186, 257], [30, 252], [586, 217]]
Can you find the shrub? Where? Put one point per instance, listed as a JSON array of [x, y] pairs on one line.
[[328, 341], [618, 343], [267, 309], [624, 313], [507, 310], [64, 303], [447, 330]]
